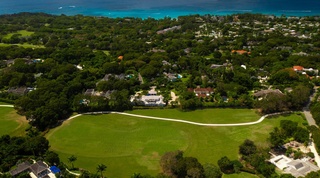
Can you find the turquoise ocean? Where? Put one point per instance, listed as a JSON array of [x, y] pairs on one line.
[[162, 8]]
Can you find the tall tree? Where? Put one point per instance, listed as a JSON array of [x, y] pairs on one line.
[[101, 168], [212, 171], [247, 148], [52, 158], [226, 166], [72, 159]]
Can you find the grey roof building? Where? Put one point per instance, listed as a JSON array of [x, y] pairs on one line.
[[38, 169], [263, 93], [297, 168]]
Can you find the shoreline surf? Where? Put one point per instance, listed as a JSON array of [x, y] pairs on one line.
[[155, 9]]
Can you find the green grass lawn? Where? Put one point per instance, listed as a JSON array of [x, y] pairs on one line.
[[241, 175], [25, 45], [23, 33], [214, 116], [106, 52], [128, 145], [3, 103], [11, 123]]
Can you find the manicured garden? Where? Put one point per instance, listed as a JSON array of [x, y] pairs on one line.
[[128, 145], [11, 123]]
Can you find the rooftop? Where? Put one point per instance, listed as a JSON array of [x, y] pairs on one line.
[[298, 68], [262, 93], [296, 167]]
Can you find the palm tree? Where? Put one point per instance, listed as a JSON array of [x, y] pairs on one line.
[[72, 159], [101, 168]]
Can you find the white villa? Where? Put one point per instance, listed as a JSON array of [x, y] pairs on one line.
[[296, 167], [150, 99]]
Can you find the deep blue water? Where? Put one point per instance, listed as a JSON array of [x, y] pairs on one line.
[[161, 8]]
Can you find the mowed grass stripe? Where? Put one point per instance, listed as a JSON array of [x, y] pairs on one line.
[[128, 145]]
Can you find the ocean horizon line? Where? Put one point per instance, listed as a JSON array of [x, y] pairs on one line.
[[162, 9], [161, 14]]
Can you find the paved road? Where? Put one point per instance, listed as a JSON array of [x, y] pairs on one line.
[[190, 122], [76, 174], [181, 121], [309, 118], [9, 106], [306, 110], [311, 122]]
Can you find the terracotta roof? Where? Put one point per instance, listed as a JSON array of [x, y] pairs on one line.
[[201, 92], [298, 68], [240, 52]]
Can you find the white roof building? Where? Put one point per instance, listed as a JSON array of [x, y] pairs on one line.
[[296, 167]]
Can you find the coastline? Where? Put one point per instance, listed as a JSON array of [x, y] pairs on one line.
[[162, 13], [161, 9]]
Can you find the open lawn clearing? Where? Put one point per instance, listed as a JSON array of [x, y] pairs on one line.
[[3, 103], [210, 116], [106, 52], [12, 123], [241, 175], [25, 45], [23, 33], [128, 145]]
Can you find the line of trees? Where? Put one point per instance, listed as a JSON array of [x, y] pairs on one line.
[[15, 149], [288, 129], [295, 100]]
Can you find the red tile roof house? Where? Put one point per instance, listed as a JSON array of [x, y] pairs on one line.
[[241, 52], [201, 92], [298, 68]]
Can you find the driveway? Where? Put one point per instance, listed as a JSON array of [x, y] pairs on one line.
[[9, 106], [311, 121]]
